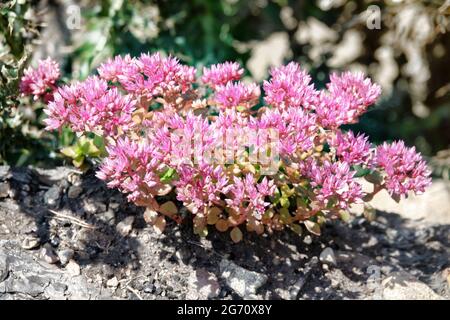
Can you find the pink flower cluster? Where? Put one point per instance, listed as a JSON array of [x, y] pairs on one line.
[[348, 97], [237, 94], [221, 74], [40, 82], [199, 146], [149, 76], [351, 148], [333, 184], [290, 86], [248, 197], [229, 92], [296, 129], [90, 106], [201, 187], [404, 168], [133, 167]]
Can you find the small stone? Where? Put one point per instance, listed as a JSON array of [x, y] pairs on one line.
[[89, 207], [242, 281], [4, 189], [73, 268], [65, 256], [22, 175], [335, 283], [158, 291], [114, 205], [281, 292], [52, 196], [74, 192], [149, 288], [307, 240], [288, 262], [276, 261], [125, 226], [112, 283], [371, 243], [100, 207], [107, 216], [30, 243], [48, 255], [327, 256], [202, 285], [74, 179], [445, 275]]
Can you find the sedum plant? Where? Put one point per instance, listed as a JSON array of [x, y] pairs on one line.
[[233, 156]]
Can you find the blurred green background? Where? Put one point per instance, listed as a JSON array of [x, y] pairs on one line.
[[402, 45]]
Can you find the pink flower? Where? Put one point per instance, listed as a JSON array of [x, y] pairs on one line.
[[230, 118], [200, 187], [232, 132], [165, 77], [117, 68], [350, 148], [296, 129], [149, 76], [348, 97], [290, 87], [40, 82], [405, 169], [361, 90], [134, 168], [237, 94], [248, 198], [333, 183], [192, 138], [222, 73], [90, 106]]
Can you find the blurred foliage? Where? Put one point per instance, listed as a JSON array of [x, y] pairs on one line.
[[21, 138], [441, 164], [199, 32], [407, 55]]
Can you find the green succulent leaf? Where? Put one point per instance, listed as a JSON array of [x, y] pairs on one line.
[[360, 171], [168, 175], [284, 201]]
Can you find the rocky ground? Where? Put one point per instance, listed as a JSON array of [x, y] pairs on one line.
[[66, 236]]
